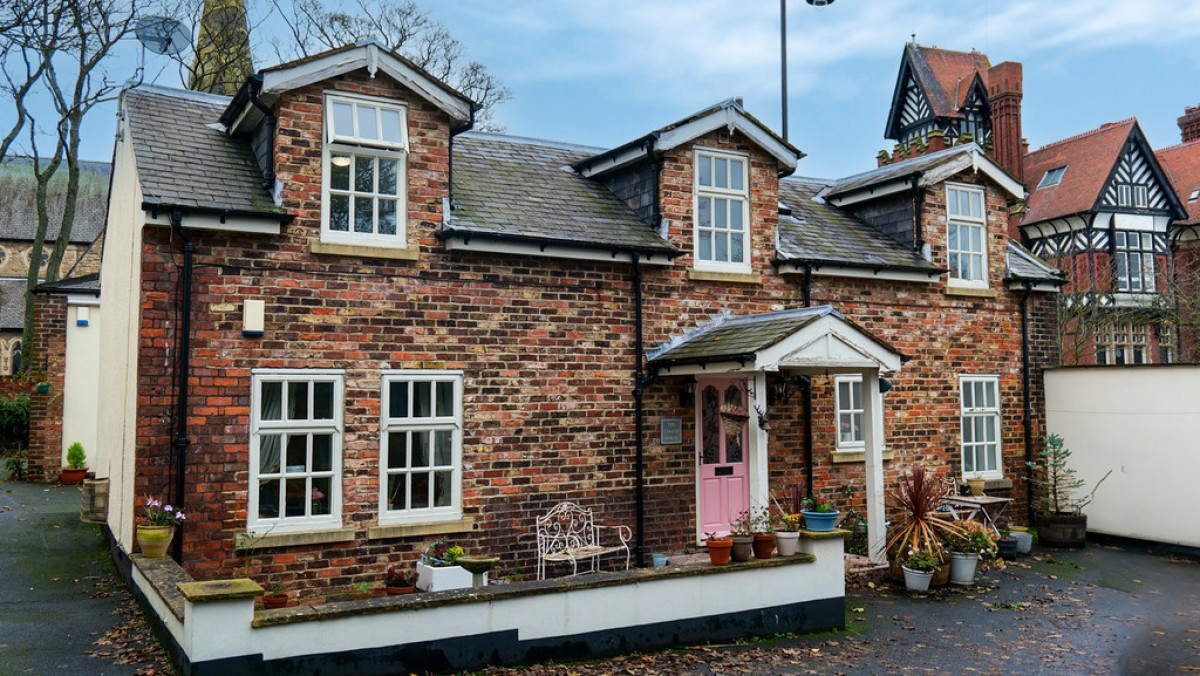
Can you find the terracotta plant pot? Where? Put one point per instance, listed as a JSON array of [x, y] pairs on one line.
[[273, 601], [70, 477], [400, 591], [764, 545], [976, 486], [719, 550], [743, 547], [155, 540]]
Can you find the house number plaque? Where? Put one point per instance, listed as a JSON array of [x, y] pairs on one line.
[[671, 431]]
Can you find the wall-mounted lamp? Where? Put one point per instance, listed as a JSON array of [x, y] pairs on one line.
[[783, 389], [340, 161], [885, 386], [687, 393]]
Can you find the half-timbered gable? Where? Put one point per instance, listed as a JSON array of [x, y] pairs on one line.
[[942, 90]]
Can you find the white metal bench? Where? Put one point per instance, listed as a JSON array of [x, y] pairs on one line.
[[569, 532]]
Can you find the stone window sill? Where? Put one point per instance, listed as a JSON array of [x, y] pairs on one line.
[[970, 292], [839, 457], [272, 540], [1002, 484], [728, 277], [364, 251], [420, 529]]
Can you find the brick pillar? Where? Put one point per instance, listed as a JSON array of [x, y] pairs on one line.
[[1004, 94], [47, 366], [1189, 124]]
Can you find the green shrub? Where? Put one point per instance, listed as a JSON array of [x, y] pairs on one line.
[[14, 422]]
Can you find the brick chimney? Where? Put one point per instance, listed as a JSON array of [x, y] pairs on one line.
[[1189, 124], [1004, 95]]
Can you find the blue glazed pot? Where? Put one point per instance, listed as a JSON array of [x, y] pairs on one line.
[[820, 521]]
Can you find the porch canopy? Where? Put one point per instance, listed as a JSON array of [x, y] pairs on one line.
[[808, 341]]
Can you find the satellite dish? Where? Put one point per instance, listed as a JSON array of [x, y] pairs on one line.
[[162, 35]]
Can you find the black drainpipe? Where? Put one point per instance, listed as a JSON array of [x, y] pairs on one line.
[[183, 371], [806, 383], [640, 379], [918, 231], [1027, 414]]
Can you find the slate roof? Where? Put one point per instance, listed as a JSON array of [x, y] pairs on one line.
[[523, 189], [12, 303], [818, 232], [1089, 159], [1182, 164], [18, 201], [731, 338], [946, 76], [1023, 265], [920, 164], [87, 284], [184, 160]]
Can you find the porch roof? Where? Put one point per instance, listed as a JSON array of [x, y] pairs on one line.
[[816, 337]]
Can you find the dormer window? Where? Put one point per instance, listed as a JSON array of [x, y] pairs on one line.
[[722, 212], [1052, 177], [364, 172]]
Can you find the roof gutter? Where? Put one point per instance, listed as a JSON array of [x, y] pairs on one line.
[[544, 242], [815, 264], [741, 358], [156, 207]]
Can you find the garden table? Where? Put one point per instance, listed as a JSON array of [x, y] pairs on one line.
[[986, 507]]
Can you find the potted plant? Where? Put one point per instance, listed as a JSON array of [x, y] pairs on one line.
[[155, 535], [76, 468], [819, 514], [976, 484], [787, 534], [399, 581], [1062, 522], [973, 541], [919, 566], [764, 536], [719, 548], [741, 531], [275, 595], [919, 525], [438, 570]]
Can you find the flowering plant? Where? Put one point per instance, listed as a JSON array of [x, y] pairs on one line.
[[789, 523], [274, 588], [441, 554], [972, 538], [923, 560], [743, 525], [158, 514], [399, 577], [818, 504]]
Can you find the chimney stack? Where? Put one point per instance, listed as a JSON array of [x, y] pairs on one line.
[[1189, 124], [222, 62], [1004, 95]]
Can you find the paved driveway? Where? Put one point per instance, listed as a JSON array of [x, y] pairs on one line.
[[62, 608]]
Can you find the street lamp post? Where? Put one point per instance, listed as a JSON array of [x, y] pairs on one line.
[[783, 54]]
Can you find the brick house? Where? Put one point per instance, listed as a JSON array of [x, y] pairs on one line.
[[1182, 165], [394, 329]]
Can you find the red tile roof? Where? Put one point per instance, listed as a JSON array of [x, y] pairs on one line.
[[947, 75], [1182, 164], [1089, 159]]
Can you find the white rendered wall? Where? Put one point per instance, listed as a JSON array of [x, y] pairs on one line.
[[1144, 424], [81, 384]]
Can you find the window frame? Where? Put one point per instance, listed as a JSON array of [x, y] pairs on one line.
[[853, 445], [1143, 253], [375, 149], [960, 222], [1122, 344], [742, 195], [388, 425], [1052, 177], [335, 426], [994, 412]]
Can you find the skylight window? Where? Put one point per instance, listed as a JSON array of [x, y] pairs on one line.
[[1194, 196], [1053, 177]]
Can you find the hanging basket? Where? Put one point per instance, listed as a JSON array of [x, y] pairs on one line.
[[735, 422]]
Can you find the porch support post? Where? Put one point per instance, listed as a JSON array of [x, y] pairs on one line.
[[873, 466], [759, 483]]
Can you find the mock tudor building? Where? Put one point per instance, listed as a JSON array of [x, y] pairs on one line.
[[342, 324], [1101, 208]]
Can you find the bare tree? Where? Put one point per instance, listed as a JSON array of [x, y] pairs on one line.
[[58, 49], [317, 25]]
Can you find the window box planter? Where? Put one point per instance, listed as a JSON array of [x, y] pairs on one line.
[[441, 579]]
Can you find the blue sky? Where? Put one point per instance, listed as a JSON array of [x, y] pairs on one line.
[[602, 73]]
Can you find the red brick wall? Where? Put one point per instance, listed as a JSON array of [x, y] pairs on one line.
[[47, 365], [547, 351]]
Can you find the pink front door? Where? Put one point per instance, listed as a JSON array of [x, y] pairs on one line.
[[721, 454]]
